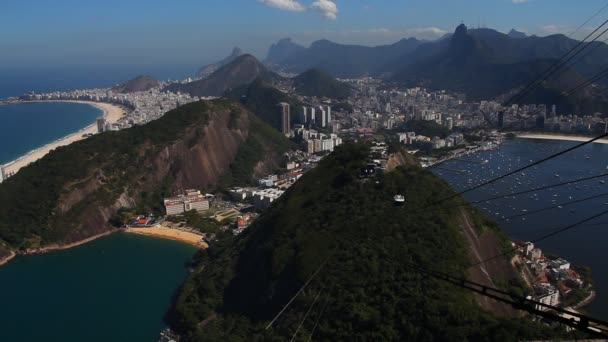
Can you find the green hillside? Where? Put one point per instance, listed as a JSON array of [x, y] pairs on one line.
[[366, 286]]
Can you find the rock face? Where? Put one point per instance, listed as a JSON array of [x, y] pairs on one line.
[[281, 50], [140, 83], [209, 69], [243, 70], [73, 193]]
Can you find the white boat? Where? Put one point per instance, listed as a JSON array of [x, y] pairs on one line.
[[399, 199]]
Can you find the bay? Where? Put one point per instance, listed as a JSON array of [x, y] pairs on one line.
[[116, 288], [584, 245]]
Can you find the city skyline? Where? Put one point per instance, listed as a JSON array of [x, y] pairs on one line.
[[154, 32]]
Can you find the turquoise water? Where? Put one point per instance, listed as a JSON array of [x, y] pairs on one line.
[[116, 288], [27, 126]]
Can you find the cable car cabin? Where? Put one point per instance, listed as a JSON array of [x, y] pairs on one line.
[[368, 171], [399, 200]]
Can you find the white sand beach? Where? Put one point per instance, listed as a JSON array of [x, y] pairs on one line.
[[559, 137], [112, 114]]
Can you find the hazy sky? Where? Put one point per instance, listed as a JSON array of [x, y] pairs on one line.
[[111, 32]]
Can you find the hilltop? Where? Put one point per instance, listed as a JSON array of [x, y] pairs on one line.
[[140, 83], [262, 98], [316, 82], [75, 191], [241, 71], [364, 243], [209, 69]]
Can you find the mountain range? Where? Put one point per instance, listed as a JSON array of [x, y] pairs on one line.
[[483, 63]]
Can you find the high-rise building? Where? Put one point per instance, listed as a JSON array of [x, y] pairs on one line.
[[304, 115], [101, 124], [312, 115], [284, 111], [328, 115], [321, 117]]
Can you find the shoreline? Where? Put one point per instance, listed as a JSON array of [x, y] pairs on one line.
[[579, 138], [171, 234], [52, 248], [5, 260], [112, 113]]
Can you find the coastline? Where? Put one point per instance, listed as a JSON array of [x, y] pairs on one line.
[[52, 248], [579, 138], [112, 113], [6, 259], [171, 234]]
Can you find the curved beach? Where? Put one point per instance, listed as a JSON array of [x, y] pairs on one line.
[[112, 113], [172, 234], [559, 137]]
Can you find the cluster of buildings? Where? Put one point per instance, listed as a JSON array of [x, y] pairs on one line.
[[272, 187], [424, 142], [315, 142], [190, 200], [552, 279], [144, 106], [543, 118], [319, 116]]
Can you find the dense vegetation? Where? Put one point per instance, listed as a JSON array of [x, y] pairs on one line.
[[365, 243], [262, 140], [262, 99], [29, 214], [316, 82]]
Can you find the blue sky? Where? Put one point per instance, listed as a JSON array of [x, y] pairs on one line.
[[187, 32]]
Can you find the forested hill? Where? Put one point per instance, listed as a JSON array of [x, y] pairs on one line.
[[352, 227], [316, 82], [72, 193]]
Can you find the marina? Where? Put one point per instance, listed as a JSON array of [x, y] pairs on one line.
[[525, 216]]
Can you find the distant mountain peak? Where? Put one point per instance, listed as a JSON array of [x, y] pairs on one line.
[[516, 34], [282, 50], [461, 30], [242, 70], [209, 69]]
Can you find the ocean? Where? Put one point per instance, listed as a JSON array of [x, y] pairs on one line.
[[116, 288], [27, 126], [24, 127], [584, 245]]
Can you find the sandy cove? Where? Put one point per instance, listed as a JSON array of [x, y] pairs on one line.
[[172, 234], [560, 137], [112, 114]]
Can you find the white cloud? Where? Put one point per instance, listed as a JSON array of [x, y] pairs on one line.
[[519, 1], [328, 8], [288, 5]]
